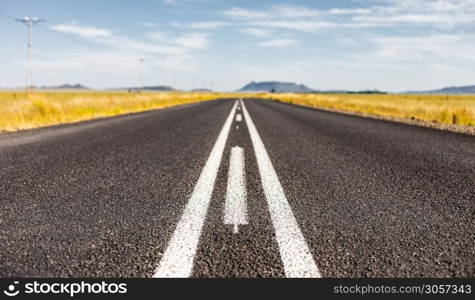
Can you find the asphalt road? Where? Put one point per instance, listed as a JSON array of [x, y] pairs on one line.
[[313, 194]]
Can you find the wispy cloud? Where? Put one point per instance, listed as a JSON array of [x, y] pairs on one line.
[[241, 13], [278, 43], [192, 41], [419, 13], [273, 12], [259, 32], [305, 26], [167, 45], [382, 13], [187, 41], [287, 11], [82, 31], [348, 11], [201, 25]]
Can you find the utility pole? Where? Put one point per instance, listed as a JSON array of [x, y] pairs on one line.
[[141, 60], [29, 22]]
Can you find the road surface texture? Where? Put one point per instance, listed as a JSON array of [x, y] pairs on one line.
[[237, 189]]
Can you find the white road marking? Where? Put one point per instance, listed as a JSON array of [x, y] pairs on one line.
[[235, 210], [177, 261], [238, 117], [294, 252]]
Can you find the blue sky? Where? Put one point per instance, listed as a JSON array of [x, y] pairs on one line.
[[392, 45]]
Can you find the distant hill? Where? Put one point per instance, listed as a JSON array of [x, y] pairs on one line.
[[161, 88], [275, 86], [469, 89], [201, 90], [364, 92], [65, 87]]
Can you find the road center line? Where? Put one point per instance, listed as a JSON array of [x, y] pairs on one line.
[[294, 252], [235, 210], [238, 117], [177, 261]]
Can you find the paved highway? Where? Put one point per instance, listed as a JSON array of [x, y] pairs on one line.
[[237, 189]]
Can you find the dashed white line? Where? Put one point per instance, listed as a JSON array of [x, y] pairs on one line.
[[177, 261], [235, 210], [238, 117], [296, 257]]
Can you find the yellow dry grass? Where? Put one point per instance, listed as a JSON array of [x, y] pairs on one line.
[[20, 111], [446, 109]]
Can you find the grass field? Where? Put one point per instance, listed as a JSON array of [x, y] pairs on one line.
[[453, 109], [19, 111]]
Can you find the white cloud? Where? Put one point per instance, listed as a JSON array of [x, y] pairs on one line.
[[383, 13], [201, 25], [188, 41], [349, 11], [278, 43], [420, 13], [417, 19], [305, 26], [287, 11], [167, 45], [83, 31], [192, 41], [241, 13], [273, 12], [260, 32]]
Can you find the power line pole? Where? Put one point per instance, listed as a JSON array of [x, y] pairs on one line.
[[29, 22], [141, 60]]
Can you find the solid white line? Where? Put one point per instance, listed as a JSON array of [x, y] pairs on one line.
[[238, 117], [235, 210], [177, 261], [294, 252]]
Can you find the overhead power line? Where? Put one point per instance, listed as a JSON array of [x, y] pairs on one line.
[[7, 17]]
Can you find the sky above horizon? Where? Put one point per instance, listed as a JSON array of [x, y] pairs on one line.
[[391, 45]]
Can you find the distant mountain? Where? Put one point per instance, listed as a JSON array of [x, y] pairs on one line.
[[469, 89], [65, 87], [164, 88], [159, 88], [201, 90], [275, 86], [364, 92]]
